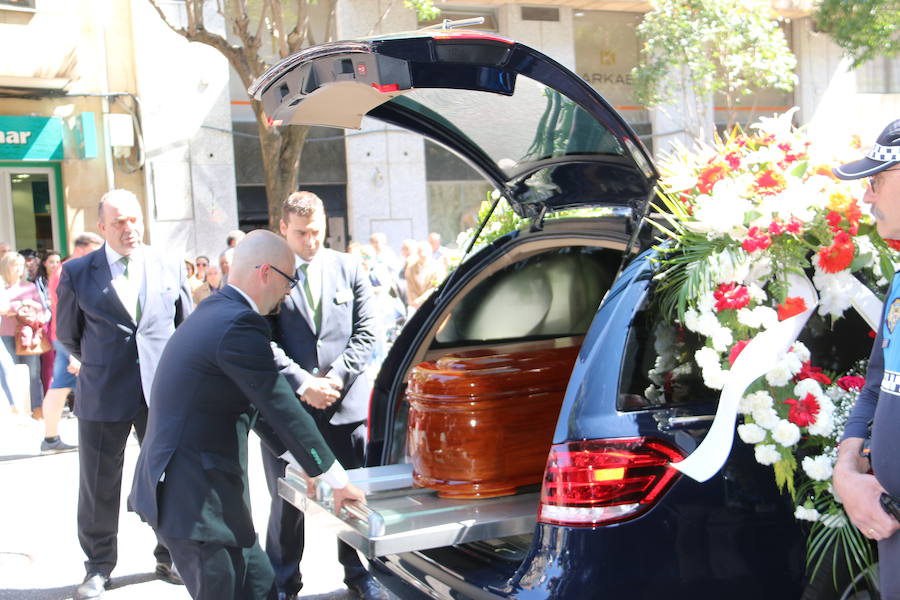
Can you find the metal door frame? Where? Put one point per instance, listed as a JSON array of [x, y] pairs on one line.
[[57, 203]]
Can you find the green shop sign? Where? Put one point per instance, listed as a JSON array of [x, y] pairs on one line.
[[31, 138]]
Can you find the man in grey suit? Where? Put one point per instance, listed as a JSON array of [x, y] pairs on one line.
[[217, 379], [326, 327], [117, 308]]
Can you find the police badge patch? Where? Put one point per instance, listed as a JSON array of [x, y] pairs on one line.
[[893, 315]]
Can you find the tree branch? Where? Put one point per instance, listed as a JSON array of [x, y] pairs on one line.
[[165, 19]]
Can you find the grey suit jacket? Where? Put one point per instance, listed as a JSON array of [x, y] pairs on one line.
[[342, 347], [118, 356]]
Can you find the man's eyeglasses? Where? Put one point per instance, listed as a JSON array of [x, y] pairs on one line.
[[873, 180], [293, 280]]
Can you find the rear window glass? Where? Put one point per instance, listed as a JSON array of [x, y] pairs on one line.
[[553, 294], [535, 123], [658, 367]]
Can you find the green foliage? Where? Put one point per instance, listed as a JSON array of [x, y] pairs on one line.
[[865, 29], [726, 46], [425, 9]]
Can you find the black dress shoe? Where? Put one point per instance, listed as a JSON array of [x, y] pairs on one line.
[[168, 573], [368, 588], [93, 587]]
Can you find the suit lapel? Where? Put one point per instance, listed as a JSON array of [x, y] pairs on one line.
[[152, 281], [102, 277], [326, 300], [299, 300]]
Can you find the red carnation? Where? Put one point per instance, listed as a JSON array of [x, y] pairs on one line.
[[776, 227], [731, 295], [810, 372], [834, 219], [733, 159], [792, 306], [794, 225], [803, 412], [736, 351], [756, 240], [851, 382], [895, 244]]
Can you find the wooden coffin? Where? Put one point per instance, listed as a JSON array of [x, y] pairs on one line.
[[481, 423]]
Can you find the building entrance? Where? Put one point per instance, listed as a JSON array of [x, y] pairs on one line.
[[27, 216]]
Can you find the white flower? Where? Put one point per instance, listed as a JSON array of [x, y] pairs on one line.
[[652, 393], [729, 267], [757, 294], [708, 324], [806, 514], [722, 339], [818, 468], [751, 433], [760, 271], [691, 319], [786, 433], [766, 454], [823, 426], [808, 386], [715, 378], [706, 357], [835, 290], [800, 351], [765, 417], [722, 212], [793, 363], [768, 317], [780, 375], [748, 318]]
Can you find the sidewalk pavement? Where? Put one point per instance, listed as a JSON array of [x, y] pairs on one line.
[[40, 558]]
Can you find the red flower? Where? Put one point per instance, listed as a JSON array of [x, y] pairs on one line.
[[731, 295], [838, 256], [736, 351], [733, 159], [810, 372], [776, 227], [792, 306], [803, 412], [770, 183], [851, 382], [895, 244], [794, 225], [709, 176], [756, 240], [834, 219]]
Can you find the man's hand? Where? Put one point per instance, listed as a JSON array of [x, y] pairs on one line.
[[74, 365], [860, 492], [349, 493], [322, 392]]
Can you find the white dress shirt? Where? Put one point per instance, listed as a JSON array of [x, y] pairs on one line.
[[133, 289]]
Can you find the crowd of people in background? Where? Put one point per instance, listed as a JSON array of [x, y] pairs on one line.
[[28, 282]]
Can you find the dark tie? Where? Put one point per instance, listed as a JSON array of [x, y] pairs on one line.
[[312, 300], [125, 260]]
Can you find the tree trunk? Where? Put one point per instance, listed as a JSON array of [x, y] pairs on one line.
[[281, 150]]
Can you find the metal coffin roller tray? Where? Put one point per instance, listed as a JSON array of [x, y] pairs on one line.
[[403, 518]]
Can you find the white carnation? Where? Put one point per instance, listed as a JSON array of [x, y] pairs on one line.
[[768, 317], [652, 393], [691, 319], [823, 426], [800, 351], [706, 303], [751, 433], [793, 363], [806, 514], [708, 324], [807, 386], [722, 339], [835, 291], [780, 375], [715, 378], [766, 454], [786, 433], [757, 294], [706, 357], [765, 417], [818, 468], [749, 318]]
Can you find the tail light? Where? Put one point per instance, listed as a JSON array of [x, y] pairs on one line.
[[598, 482]]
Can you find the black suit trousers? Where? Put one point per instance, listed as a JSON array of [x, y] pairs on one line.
[[217, 572], [285, 532], [101, 455]]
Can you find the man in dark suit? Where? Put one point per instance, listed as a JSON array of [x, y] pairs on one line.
[[117, 308], [326, 326], [216, 379]]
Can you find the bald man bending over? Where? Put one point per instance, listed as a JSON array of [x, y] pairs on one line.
[[216, 379]]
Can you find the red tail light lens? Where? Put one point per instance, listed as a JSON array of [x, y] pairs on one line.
[[597, 482]]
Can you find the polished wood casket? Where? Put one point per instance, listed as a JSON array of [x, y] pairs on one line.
[[481, 423]]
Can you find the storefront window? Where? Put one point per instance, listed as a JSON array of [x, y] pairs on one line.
[[26, 207], [606, 50]]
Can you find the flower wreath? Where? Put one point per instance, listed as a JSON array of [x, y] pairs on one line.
[[741, 216]]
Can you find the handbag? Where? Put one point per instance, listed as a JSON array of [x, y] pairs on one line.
[[31, 334]]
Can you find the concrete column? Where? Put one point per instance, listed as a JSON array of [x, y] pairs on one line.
[[553, 38], [191, 195], [385, 166]]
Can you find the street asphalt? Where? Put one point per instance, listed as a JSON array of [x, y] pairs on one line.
[[40, 558]]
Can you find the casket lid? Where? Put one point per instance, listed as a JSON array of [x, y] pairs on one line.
[[541, 134]]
